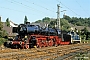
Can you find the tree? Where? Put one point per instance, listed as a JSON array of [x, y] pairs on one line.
[[3, 33], [65, 25], [38, 21], [46, 19], [25, 20], [1, 26], [7, 22], [67, 18], [53, 23], [84, 30], [79, 23]]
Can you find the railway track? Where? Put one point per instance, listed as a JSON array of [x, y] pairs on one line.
[[45, 53]]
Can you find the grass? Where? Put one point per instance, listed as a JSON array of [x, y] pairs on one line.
[[82, 56]]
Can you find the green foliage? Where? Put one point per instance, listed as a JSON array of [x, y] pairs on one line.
[[64, 25], [25, 20], [84, 30], [83, 37], [81, 55], [88, 37], [53, 23], [65, 22], [7, 22], [78, 21], [67, 18], [2, 40], [46, 20], [38, 21], [84, 33], [1, 26], [2, 32]]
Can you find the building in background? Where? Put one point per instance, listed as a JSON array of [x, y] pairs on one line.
[[12, 24], [9, 29]]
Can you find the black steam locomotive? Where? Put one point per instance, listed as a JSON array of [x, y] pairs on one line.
[[25, 29], [34, 35]]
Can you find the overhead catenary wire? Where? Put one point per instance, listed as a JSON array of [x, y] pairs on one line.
[[40, 6], [33, 9], [83, 8], [15, 2], [50, 10], [16, 10], [67, 7]]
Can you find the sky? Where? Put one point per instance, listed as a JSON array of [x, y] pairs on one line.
[[35, 10]]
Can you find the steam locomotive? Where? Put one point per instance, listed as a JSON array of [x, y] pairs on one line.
[[35, 36]]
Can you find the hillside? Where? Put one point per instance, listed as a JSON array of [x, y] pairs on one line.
[[66, 22], [79, 25], [78, 21]]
